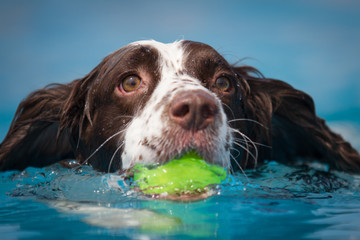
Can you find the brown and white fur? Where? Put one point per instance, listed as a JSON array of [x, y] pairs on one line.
[[150, 102]]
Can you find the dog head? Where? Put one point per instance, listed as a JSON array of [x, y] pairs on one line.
[[150, 102]]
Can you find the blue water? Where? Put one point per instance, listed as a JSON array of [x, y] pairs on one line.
[[272, 202], [313, 45]]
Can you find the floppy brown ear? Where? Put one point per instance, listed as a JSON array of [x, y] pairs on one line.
[[33, 138], [46, 125], [293, 129]]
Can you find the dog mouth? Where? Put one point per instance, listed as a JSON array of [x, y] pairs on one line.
[[172, 142]]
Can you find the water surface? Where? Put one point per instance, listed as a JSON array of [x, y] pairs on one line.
[[274, 201]]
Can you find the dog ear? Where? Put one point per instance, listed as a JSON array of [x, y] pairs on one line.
[[46, 125], [32, 137], [50, 124], [293, 129]]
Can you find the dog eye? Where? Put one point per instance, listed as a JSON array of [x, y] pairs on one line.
[[131, 83], [223, 84]]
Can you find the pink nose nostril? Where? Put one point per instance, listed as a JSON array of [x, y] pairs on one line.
[[208, 111], [193, 110], [181, 110]]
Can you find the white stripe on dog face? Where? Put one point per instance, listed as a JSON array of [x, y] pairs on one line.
[[151, 137]]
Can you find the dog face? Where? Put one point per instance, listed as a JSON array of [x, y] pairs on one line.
[[155, 101], [185, 110]]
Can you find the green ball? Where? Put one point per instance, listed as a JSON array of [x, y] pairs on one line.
[[188, 175]]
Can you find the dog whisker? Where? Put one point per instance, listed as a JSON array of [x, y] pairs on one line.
[[247, 140], [102, 145], [113, 156], [259, 144], [247, 146], [247, 150], [254, 145], [228, 107], [241, 169], [248, 120], [238, 152]]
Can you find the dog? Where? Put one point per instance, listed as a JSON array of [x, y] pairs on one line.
[[150, 102]]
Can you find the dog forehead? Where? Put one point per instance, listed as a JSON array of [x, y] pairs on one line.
[[182, 54], [168, 51], [171, 61]]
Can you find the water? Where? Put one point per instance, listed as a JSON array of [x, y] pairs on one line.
[[276, 201]]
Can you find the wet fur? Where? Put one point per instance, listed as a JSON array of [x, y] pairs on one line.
[[57, 123]]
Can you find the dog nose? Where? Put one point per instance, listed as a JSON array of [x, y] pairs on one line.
[[193, 110]]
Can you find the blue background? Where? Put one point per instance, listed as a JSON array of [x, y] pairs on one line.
[[313, 45]]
